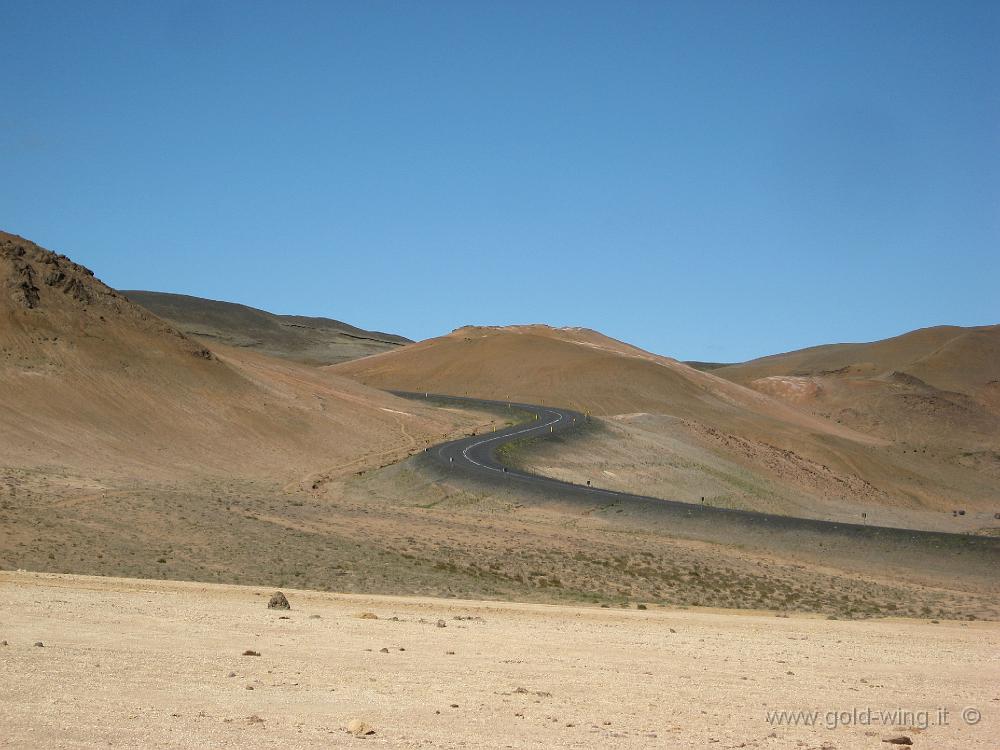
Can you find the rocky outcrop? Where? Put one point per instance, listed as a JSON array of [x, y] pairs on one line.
[[30, 265]]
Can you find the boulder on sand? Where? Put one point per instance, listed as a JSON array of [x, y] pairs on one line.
[[278, 601], [360, 728]]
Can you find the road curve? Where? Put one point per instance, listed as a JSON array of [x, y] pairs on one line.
[[478, 454], [476, 457]]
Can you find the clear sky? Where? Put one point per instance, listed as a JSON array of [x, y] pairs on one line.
[[706, 180]]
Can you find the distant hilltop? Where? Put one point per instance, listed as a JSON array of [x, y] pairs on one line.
[[314, 341]]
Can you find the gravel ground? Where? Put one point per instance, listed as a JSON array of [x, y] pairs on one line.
[[159, 664]]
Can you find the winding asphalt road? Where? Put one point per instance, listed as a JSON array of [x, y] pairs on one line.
[[476, 457], [478, 454]]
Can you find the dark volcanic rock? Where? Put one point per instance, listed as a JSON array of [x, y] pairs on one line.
[[22, 282]]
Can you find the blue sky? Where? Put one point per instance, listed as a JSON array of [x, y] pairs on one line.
[[707, 180]]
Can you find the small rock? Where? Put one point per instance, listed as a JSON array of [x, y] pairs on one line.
[[249, 687], [383, 651], [3, 643], [251, 652], [231, 674], [368, 616], [359, 728], [900, 740], [442, 624], [39, 644], [278, 601]]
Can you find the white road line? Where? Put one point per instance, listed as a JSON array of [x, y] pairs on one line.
[[533, 477], [465, 452]]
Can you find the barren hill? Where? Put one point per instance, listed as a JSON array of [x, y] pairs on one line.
[[965, 360], [130, 449], [675, 431], [930, 388], [316, 341], [92, 382], [573, 367]]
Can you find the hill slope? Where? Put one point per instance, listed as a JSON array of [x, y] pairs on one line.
[[127, 448], [965, 360], [572, 367], [317, 341], [674, 431], [931, 388], [94, 383]]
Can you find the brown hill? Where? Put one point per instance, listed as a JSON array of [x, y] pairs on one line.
[[572, 367], [126, 448], [675, 431], [965, 360], [316, 341], [932, 387], [92, 382]]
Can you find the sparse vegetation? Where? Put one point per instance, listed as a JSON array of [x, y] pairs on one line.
[[463, 543]]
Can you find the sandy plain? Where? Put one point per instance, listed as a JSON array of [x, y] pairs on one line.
[[159, 664]]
